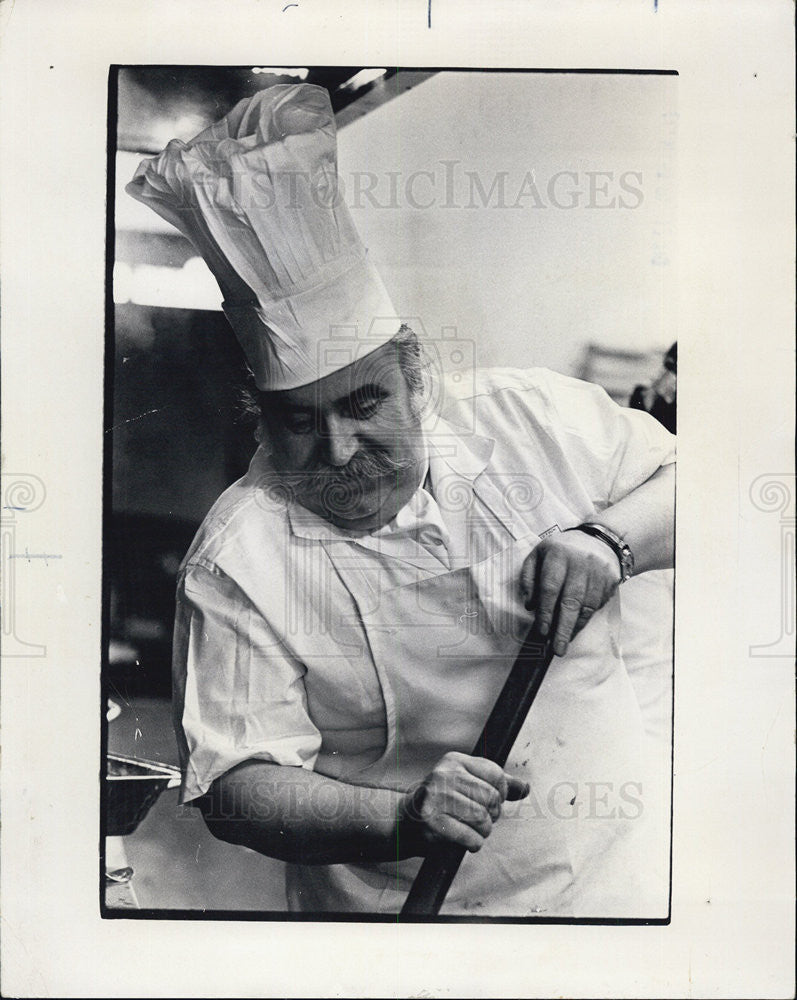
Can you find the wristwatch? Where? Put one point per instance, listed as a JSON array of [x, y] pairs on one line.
[[620, 548]]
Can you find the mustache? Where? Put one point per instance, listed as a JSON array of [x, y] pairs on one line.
[[363, 466]]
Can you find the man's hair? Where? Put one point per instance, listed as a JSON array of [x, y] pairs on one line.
[[411, 358]]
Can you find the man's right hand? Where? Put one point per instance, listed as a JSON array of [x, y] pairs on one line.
[[457, 803]]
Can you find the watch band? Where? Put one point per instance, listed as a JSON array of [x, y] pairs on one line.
[[620, 548]]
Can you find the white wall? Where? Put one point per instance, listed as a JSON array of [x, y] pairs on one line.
[[530, 285]]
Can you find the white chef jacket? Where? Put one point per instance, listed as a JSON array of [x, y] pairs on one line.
[[368, 658]]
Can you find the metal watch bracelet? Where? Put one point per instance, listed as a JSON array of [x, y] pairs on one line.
[[620, 548]]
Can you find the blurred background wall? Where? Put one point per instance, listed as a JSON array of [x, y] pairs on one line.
[[571, 247]]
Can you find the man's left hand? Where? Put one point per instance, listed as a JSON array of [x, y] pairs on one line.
[[565, 580]]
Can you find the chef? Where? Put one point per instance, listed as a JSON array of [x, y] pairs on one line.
[[350, 608]]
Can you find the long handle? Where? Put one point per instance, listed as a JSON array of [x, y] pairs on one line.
[[498, 737]]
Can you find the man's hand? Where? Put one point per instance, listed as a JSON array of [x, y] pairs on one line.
[[565, 580], [457, 802]]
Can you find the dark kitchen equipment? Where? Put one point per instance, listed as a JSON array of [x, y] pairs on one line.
[[133, 785]]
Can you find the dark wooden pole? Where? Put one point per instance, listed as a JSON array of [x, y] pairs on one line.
[[497, 739]]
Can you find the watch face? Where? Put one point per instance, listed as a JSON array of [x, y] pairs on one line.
[[627, 562]]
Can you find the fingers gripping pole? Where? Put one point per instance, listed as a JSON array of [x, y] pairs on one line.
[[498, 736]]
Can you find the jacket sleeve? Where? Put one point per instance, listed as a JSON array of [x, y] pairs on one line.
[[238, 694], [614, 448]]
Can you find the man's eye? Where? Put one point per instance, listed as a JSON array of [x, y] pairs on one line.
[[364, 409], [300, 424]]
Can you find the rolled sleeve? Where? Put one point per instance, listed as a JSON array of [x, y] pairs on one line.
[[238, 694], [615, 448]]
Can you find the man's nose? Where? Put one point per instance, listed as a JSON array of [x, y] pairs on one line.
[[341, 440]]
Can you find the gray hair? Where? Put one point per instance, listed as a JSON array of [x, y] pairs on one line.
[[413, 360]]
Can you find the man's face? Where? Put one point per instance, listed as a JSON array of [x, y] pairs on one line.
[[350, 444]]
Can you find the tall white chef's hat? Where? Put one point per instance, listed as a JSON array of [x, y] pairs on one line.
[[257, 195]]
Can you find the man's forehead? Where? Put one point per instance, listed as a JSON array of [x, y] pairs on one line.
[[380, 369]]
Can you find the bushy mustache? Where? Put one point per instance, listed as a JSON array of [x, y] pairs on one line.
[[363, 466]]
